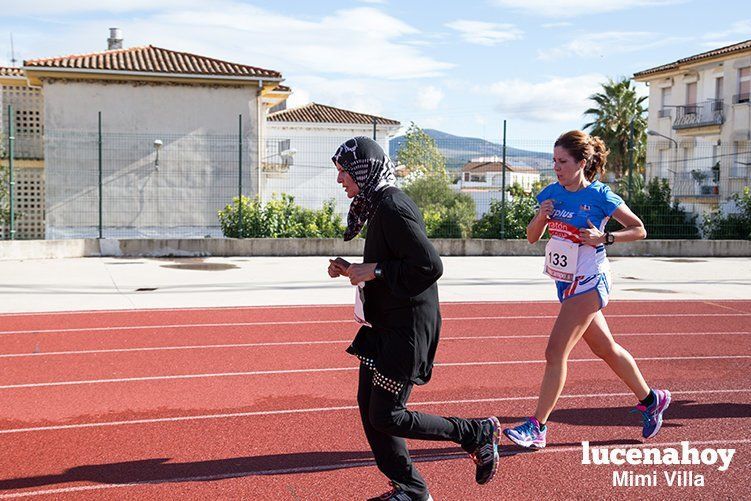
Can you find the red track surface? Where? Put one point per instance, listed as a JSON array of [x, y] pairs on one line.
[[259, 403]]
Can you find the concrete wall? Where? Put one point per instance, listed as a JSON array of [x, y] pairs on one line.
[[43, 249], [198, 162]]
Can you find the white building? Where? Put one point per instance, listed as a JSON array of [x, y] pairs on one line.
[[700, 125], [482, 179], [299, 146], [176, 129], [27, 106]]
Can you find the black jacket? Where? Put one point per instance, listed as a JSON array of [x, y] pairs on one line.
[[402, 306]]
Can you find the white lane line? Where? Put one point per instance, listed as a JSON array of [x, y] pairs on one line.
[[314, 306], [341, 341], [312, 410], [348, 321], [724, 307], [339, 369], [342, 465]]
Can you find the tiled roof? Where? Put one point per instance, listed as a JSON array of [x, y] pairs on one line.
[[739, 47], [6, 71], [320, 113], [480, 167], [282, 88], [150, 59]]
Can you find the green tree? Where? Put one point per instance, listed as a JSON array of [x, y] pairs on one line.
[[420, 154], [616, 107], [520, 208], [730, 225], [662, 217], [447, 213]]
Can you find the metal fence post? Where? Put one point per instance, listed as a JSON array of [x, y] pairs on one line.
[[99, 158], [240, 176], [631, 160], [503, 185], [11, 182]]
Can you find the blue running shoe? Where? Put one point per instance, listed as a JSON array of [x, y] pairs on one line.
[[528, 434], [652, 415]]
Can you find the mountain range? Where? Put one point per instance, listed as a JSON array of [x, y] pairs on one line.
[[459, 150]]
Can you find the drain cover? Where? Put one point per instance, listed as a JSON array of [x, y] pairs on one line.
[[657, 291], [202, 266]]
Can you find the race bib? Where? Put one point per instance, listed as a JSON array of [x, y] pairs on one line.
[[359, 304], [560, 259]]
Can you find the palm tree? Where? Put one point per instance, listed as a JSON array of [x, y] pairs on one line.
[[617, 106]]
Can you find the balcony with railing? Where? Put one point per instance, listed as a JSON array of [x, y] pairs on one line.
[[699, 115], [743, 97]]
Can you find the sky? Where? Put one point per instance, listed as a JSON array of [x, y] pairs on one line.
[[460, 67]]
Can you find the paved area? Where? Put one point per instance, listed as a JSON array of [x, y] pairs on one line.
[[114, 283]]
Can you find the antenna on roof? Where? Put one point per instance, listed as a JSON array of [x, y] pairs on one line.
[[12, 52]]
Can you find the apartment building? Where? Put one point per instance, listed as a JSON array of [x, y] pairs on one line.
[[700, 125]]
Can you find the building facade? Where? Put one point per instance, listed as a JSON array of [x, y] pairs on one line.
[[299, 146], [700, 125], [179, 136]]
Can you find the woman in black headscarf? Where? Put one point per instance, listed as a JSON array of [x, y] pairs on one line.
[[401, 323]]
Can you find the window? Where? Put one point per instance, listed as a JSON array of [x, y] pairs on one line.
[[662, 164], [741, 160], [744, 85], [718, 84], [665, 94], [691, 94]]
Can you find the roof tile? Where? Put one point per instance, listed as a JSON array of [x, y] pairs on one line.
[[738, 47], [320, 113], [150, 59]]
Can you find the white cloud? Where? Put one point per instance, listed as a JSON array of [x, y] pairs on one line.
[[299, 97], [740, 29], [429, 98], [354, 43], [483, 33], [355, 94], [573, 8], [48, 7], [362, 42], [558, 99], [556, 25], [606, 44]]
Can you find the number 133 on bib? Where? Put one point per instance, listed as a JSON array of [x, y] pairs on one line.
[[560, 259]]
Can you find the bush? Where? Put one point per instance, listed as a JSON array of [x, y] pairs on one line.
[[447, 213], [736, 226], [519, 212], [661, 218], [280, 218]]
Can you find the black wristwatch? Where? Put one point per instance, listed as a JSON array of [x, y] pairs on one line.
[[378, 272], [609, 238]]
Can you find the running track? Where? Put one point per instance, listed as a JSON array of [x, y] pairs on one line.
[[258, 403]]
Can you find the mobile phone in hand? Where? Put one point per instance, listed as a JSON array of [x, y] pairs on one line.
[[342, 262]]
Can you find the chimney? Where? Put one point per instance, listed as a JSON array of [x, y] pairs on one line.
[[115, 41]]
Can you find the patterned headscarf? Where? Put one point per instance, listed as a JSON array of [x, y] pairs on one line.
[[372, 170]]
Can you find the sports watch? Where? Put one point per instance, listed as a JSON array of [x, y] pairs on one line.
[[609, 238]]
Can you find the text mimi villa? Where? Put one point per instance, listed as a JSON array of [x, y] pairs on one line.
[[669, 456]]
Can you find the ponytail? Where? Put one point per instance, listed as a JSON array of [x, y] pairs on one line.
[[582, 146]]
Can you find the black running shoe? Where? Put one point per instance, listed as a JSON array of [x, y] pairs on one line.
[[396, 494], [485, 455]]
